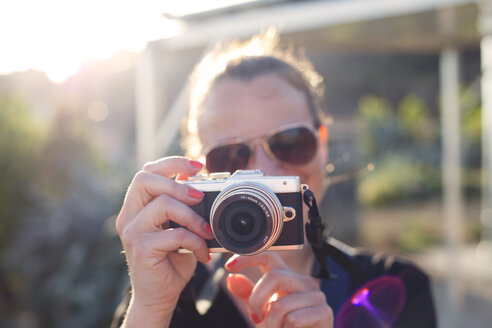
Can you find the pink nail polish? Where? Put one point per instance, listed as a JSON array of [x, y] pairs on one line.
[[196, 164], [192, 192], [231, 263], [209, 229], [182, 177]]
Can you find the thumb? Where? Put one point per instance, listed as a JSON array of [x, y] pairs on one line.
[[240, 286]]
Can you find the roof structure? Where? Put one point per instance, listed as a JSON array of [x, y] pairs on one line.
[[375, 25]]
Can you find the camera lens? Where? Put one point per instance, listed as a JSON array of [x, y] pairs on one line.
[[243, 222], [246, 218]]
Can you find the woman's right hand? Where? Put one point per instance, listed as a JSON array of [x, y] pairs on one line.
[[157, 272]]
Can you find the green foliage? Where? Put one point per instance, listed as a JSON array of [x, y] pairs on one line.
[[377, 120], [471, 128], [398, 177], [471, 148], [417, 235], [21, 138], [413, 119], [56, 187], [472, 124], [67, 153], [403, 144]]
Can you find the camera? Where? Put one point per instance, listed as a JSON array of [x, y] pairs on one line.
[[250, 212]]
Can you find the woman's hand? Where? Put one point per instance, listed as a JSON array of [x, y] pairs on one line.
[[158, 274], [282, 297]]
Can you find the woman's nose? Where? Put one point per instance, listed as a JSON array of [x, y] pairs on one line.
[[261, 160]]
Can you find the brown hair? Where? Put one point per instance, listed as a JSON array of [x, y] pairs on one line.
[[244, 61]]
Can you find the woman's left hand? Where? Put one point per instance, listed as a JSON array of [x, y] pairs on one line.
[[282, 297]]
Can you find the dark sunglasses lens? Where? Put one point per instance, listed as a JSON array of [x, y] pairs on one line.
[[228, 158], [293, 146]]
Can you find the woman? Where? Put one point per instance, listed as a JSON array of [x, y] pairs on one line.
[[251, 107]]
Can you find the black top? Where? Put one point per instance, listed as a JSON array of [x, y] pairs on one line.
[[418, 310]]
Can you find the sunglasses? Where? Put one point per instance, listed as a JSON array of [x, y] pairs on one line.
[[291, 144]]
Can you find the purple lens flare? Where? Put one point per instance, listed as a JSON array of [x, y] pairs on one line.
[[377, 304], [361, 297]]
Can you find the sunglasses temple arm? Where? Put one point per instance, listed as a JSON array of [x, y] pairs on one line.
[[342, 177]]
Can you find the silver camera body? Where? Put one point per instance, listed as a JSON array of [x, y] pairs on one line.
[[250, 212]]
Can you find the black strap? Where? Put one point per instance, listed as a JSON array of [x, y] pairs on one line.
[[322, 249]]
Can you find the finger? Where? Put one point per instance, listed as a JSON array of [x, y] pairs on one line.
[[240, 286], [319, 316], [266, 261], [163, 209], [278, 309], [146, 186], [278, 281], [170, 166], [157, 245]]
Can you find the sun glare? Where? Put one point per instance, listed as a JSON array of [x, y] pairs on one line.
[[57, 36], [98, 111]]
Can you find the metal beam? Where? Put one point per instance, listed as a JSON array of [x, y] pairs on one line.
[[485, 25], [146, 106], [297, 17], [170, 125], [451, 164]]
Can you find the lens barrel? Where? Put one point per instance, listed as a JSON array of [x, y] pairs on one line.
[[246, 218]]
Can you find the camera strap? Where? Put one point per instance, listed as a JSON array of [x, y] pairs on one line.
[[322, 248]]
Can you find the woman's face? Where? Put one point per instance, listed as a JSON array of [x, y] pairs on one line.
[[237, 108]]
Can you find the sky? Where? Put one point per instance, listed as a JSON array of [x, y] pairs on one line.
[[57, 36]]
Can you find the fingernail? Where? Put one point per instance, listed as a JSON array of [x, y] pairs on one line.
[[196, 164], [208, 228], [231, 263], [181, 177], [209, 258], [255, 318], [192, 192]]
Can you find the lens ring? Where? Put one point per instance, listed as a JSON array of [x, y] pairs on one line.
[[258, 196], [242, 224]]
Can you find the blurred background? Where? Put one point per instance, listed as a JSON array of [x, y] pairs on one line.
[[91, 90]]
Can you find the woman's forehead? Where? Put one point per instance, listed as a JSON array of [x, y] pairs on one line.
[[236, 108]]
